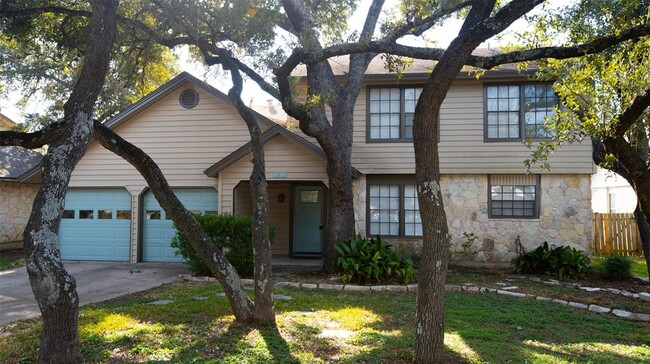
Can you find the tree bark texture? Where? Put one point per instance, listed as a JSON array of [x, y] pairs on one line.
[[478, 26], [184, 220], [264, 309], [53, 287]]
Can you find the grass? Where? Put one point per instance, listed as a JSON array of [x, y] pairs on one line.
[[319, 326], [12, 260], [639, 268]]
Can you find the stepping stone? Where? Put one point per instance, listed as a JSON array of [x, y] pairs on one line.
[[282, 297], [337, 287], [513, 294], [197, 298], [622, 313], [579, 305], [599, 309], [501, 284], [590, 289], [453, 287], [644, 296], [355, 288], [614, 290], [542, 298], [161, 302], [640, 317], [562, 302], [511, 288], [335, 334], [220, 294]]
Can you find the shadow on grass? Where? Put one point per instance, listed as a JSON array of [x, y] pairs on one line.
[[479, 328]]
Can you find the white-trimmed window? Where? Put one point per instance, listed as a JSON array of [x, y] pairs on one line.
[[518, 111], [513, 196], [390, 113]]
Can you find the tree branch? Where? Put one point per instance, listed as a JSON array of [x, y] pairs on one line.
[[33, 140], [632, 113], [421, 25]]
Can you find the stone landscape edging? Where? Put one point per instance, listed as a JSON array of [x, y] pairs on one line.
[[470, 288]]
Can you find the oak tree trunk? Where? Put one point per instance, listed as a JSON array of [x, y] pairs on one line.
[[53, 287], [340, 201]]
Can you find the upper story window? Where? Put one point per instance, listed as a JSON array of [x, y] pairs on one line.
[[390, 113], [520, 111]]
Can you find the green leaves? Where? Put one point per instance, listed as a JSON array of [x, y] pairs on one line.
[[364, 260], [561, 261]]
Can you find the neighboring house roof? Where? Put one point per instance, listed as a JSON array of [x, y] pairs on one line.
[[418, 69], [268, 135], [6, 123], [16, 161]]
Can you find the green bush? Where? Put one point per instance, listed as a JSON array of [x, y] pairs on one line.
[[616, 267], [232, 233], [366, 260], [561, 261]]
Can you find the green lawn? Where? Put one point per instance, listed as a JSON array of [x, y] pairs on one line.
[[11, 260], [319, 326], [639, 268]]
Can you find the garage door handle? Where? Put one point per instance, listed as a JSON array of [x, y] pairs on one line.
[[321, 226]]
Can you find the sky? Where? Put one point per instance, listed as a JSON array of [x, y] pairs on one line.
[[446, 33]]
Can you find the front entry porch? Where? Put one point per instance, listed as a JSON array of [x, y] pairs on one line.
[[298, 213]]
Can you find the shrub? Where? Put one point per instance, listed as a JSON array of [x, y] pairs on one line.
[[366, 260], [561, 261], [616, 267], [232, 233]]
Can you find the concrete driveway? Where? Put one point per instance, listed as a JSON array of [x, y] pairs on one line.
[[96, 281]]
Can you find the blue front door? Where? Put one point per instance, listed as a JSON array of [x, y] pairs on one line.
[[96, 225], [158, 230], [308, 219]]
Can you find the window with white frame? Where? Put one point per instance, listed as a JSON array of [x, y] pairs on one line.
[[517, 111], [390, 112], [393, 209], [514, 196]]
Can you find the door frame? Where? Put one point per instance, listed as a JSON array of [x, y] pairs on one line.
[[292, 185]]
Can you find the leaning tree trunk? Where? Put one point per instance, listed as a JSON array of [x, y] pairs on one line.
[[184, 220], [264, 310], [53, 287]]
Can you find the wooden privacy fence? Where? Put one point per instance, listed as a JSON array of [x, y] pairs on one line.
[[616, 234]]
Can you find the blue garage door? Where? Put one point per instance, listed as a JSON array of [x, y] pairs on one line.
[[96, 225], [158, 229]]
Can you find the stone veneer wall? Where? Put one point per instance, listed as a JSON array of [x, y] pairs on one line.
[[15, 206], [565, 217]]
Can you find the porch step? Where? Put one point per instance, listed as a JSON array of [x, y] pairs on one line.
[[286, 264]]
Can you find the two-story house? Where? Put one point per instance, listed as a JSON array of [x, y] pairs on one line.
[[202, 145]]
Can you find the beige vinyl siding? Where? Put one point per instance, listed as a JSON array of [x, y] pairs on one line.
[[279, 214], [281, 155], [184, 142], [462, 148]]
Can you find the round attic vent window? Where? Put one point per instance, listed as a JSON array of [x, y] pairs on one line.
[[189, 98]]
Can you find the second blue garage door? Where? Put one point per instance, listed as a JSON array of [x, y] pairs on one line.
[[158, 230]]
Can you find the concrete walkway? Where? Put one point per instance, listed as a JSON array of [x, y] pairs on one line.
[[96, 281]]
